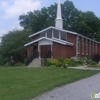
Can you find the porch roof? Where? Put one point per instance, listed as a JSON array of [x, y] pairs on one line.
[[51, 39]]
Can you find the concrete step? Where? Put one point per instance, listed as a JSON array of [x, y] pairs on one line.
[[35, 63]]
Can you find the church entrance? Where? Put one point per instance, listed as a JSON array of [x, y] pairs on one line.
[[45, 51]]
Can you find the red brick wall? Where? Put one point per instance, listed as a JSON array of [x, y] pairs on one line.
[[98, 48], [35, 37], [60, 50], [72, 38]]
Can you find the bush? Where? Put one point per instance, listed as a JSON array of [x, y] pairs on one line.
[[93, 63], [61, 59], [59, 64], [67, 61], [96, 58], [25, 61], [19, 64], [95, 66], [65, 65], [51, 62]]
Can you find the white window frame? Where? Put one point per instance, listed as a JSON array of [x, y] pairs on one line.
[[90, 48], [96, 48], [78, 45], [93, 48], [86, 47], [82, 46]]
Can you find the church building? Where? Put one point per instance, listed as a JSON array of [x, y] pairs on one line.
[[55, 42]]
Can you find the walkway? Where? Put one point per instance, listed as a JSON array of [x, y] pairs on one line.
[[80, 90], [85, 68]]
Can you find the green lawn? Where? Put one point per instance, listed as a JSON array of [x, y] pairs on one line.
[[27, 83]]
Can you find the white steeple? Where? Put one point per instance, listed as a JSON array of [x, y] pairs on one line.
[[59, 20]]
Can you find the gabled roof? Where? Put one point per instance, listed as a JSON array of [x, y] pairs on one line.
[[51, 39], [62, 30], [51, 27]]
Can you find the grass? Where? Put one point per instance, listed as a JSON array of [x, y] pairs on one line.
[[27, 83]]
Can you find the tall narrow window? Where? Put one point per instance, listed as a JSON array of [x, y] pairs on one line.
[[56, 34], [63, 36], [86, 47], [96, 48], [90, 47], [93, 47], [78, 45], [82, 46], [49, 34], [42, 35]]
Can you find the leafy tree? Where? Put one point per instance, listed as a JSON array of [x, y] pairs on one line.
[[85, 23], [12, 44]]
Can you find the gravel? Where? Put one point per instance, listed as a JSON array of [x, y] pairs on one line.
[[80, 90]]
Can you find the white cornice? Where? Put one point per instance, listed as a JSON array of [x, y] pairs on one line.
[[57, 41], [62, 30]]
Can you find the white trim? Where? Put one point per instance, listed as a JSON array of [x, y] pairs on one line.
[[86, 47], [59, 35], [93, 47], [59, 40], [90, 47], [54, 40], [46, 34], [51, 27], [96, 48], [78, 45], [45, 42], [52, 33], [82, 46], [62, 30]]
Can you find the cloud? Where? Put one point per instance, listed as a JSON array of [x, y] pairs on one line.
[[15, 25], [2, 32], [19, 7]]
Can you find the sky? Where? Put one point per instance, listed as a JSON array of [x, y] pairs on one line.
[[10, 10]]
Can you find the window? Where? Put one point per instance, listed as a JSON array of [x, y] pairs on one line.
[[78, 45], [90, 48], [86, 47], [96, 48], [93, 47], [82, 46], [56, 34], [49, 34], [63, 36], [42, 35]]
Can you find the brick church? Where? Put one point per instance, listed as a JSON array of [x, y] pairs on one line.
[[55, 42]]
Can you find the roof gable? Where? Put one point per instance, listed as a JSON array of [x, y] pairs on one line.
[[52, 39]]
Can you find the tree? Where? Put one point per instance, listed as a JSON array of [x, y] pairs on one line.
[[12, 44], [85, 23]]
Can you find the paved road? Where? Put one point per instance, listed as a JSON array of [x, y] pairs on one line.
[[80, 90]]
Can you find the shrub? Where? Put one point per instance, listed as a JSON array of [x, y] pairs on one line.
[[96, 58], [59, 64], [93, 63], [65, 65], [25, 61], [19, 64], [47, 63], [67, 61], [61, 59], [52, 62]]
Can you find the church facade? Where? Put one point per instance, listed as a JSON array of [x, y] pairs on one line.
[[55, 42]]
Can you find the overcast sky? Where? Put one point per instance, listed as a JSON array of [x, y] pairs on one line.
[[11, 9]]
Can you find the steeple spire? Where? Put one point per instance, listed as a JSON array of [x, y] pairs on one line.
[[59, 20]]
